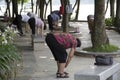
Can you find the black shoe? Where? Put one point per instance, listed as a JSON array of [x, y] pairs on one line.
[[62, 75]]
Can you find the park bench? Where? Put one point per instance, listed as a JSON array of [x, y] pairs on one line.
[[99, 73], [37, 42]]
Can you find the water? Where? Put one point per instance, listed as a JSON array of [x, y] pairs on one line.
[[86, 8]]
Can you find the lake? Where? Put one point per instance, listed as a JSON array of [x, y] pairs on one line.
[[86, 8]]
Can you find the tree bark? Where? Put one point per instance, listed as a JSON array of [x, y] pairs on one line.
[[112, 2], [22, 2], [118, 9], [15, 7], [77, 12], [117, 19], [65, 20], [8, 7], [41, 6], [46, 6], [32, 4], [50, 5], [98, 35], [62, 2], [107, 6]]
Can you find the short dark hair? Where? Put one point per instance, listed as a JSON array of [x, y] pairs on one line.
[[78, 42]]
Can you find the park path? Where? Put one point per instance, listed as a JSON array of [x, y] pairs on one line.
[[40, 64]]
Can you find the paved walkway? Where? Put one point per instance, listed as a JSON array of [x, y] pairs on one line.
[[40, 65]]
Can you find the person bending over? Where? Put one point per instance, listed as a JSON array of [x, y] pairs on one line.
[[18, 21], [36, 25], [53, 18], [58, 42]]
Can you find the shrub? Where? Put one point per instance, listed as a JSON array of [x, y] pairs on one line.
[[109, 22], [9, 58], [9, 55]]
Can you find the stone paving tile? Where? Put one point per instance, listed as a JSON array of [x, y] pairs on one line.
[[40, 65]]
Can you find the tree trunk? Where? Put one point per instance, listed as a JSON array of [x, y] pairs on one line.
[[50, 5], [107, 6], [65, 20], [118, 9], [15, 8], [41, 6], [75, 4], [36, 10], [46, 9], [62, 2], [32, 4], [98, 35], [22, 2], [112, 2], [117, 19], [77, 12], [8, 8]]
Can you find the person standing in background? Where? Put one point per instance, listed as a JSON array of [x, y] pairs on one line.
[[90, 19]]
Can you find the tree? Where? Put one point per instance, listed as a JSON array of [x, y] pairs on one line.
[[107, 6], [65, 17], [8, 7], [98, 35], [46, 3], [112, 2], [22, 2], [37, 5], [117, 19], [32, 4], [50, 5], [14, 7], [41, 6], [77, 11]]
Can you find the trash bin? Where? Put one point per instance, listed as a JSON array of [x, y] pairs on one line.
[[90, 19]]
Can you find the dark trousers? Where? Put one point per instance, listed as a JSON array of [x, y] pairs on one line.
[[17, 21], [50, 22], [31, 22], [58, 51]]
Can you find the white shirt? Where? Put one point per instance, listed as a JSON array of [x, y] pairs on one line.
[[39, 22], [25, 18]]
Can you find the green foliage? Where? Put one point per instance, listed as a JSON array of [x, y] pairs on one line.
[[9, 58], [9, 55], [103, 48], [117, 22], [109, 22], [19, 1], [6, 35], [2, 27]]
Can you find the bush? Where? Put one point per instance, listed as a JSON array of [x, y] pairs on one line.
[[109, 22], [9, 58], [9, 55]]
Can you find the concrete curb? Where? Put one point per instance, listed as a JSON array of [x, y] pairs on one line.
[[80, 52]]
